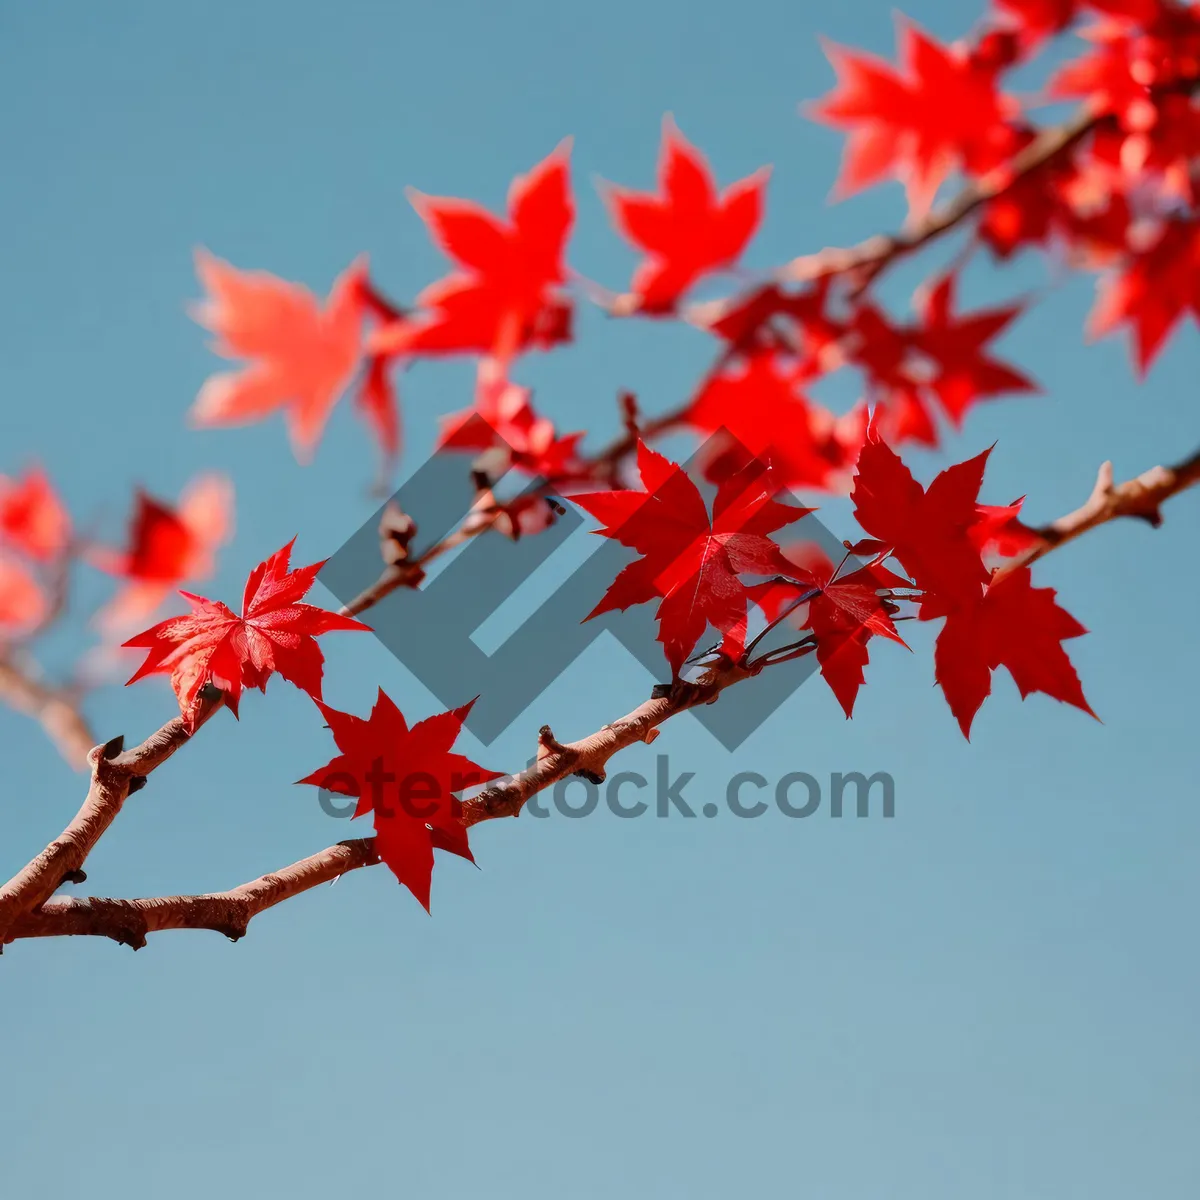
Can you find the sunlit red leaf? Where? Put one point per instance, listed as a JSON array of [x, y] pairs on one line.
[[407, 778], [302, 355], [767, 416], [33, 519], [941, 111], [23, 604], [213, 645], [166, 547], [929, 529], [1016, 626], [689, 562], [687, 229], [506, 296], [1155, 289]]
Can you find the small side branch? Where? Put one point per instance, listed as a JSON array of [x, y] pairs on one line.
[[1142, 497], [55, 709]]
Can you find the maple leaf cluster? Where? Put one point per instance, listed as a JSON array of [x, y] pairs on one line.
[[1118, 195], [166, 545], [1111, 191], [1115, 195], [711, 570], [382, 761]]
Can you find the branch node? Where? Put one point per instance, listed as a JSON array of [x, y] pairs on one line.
[[76, 876], [136, 783], [548, 744], [113, 747], [596, 777], [135, 939]]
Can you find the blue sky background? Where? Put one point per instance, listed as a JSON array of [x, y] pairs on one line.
[[992, 995]]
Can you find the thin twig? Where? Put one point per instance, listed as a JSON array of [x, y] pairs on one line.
[[1141, 498], [56, 709], [870, 257]]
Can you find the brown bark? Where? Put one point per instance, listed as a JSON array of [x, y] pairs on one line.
[[1141, 497], [116, 774], [55, 709], [27, 908], [862, 263], [129, 921], [27, 911]]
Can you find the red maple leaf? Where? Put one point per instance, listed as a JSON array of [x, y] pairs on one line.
[[1080, 200], [32, 517], [1145, 48], [941, 358], [942, 112], [1144, 66], [844, 615], [302, 355], [213, 645], [407, 778], [690, 563], [507, 296], [762, 410], [1155, 289], [376, 399], [1038, 19], [884, 352], [999, 529], [23, 604], [503, 417], [1013, 625], [843, 612], [964, 371], [929, 530], [687, 230], [166, 546], [751, 323], [376, 402]]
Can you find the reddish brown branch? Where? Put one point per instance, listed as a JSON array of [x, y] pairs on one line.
[[130, 921], [589, 756], [56, 709], [116, 773], [1142, 497], [861, 264], [866, 260], [605, 463]]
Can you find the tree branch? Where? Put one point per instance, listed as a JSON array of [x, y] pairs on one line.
[[1141, 497], [862, 263], [116, 774], [54, 708], [872, 256], [130, 921], [27, 911]]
